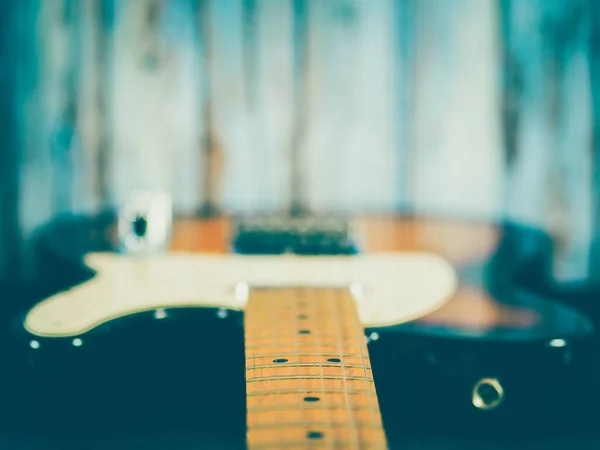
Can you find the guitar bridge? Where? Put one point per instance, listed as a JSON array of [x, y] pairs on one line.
[[305, 235]]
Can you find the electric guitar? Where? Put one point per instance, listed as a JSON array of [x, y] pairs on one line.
[[289, 333]]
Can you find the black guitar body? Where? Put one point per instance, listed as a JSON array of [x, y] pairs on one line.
[[142, 373], [546, 370]]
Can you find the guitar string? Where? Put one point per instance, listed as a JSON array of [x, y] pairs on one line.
[[306, 391], [287, 407], [334, 314], [347, 355], [317, 329], [362, 347], [248, 316], [331, 336], [301, 344], [272, 304], [295, 300], [310, 364]]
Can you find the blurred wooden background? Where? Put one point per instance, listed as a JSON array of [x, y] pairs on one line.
[[473, 108]]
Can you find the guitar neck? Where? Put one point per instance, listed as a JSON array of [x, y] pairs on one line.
[[309, 382]]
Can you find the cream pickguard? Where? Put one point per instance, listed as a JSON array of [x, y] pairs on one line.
[[389, 288]]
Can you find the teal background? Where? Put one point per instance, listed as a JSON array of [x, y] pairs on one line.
[[478, 109]]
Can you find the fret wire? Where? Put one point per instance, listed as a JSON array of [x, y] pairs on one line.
[[295, 335], [369, 399], [308, 425], [382, 445], [305, 340], [316, 364], [283, 329], [307, 391], [247, 333], [330, 439], [355, 433], [308, 377], [307, 344], [295, 303], [273, 324], [346, 355], [323, 406]]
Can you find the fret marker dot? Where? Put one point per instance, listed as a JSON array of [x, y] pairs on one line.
[[301, 316], [304, 332], [311, 399], [334, 360], [280, 360], [314, 435]]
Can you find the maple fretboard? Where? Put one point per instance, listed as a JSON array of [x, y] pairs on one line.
[[309, 382]]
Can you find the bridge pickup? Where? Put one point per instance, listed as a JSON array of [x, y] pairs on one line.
[[305, 235]]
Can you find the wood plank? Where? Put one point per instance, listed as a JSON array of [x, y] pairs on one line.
[[155, 109], [86, 190], [551, 171], [271, 102], [349, 146], [457, 143], [227, 89]]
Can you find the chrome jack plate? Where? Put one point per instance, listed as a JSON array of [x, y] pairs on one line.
[[487, 394]]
